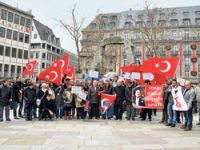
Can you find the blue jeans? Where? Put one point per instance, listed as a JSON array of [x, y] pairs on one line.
[[59, 110], [171, 114], [15, 105], [188, 115]]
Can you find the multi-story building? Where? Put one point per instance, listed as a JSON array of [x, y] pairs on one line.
[[46, 47], [115, 39], [15, 33]]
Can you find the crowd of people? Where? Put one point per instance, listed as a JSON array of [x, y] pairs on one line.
[[47, 101]]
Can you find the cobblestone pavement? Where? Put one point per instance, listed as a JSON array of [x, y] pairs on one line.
[[96, 135]]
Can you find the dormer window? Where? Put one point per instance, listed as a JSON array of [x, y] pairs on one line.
[[186, 22], [127, 24], [185, 13], [93, 25], [174, 22]]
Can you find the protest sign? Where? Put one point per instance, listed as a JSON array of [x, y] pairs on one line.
[[76, 89], [93, 74]]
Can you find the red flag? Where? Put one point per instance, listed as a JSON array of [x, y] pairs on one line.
[[64, 61], [106, 102], [163, 66], [131, 68], [71, 73], [52, 74], [30, 66]]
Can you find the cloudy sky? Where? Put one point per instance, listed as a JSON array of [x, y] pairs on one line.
[[49, 11]]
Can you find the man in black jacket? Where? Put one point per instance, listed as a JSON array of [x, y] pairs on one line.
[[131, 112], [119, 90], [5, 96], [30, 100], [17, 90]]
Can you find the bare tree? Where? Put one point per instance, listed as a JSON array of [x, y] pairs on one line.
[[152, 22], [74, 30]]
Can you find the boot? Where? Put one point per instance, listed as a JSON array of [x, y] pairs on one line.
[[65, 115]]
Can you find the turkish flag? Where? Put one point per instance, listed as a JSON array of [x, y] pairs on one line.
[[106, 102], [63, 61], [163, 66], [52, 74], [71, 73], [131, 68], [29, 69]]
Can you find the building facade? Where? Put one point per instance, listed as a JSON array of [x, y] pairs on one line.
[[46, 47], [115, 39], [15, 34]]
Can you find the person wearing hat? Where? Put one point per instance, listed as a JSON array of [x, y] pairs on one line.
[[41, 95]]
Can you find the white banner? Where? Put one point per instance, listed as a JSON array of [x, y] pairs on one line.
[[179, 102], [93, 74], [83, 95], [135, 76], [148, 76], [127, 75], [181, 81], [76, 89]]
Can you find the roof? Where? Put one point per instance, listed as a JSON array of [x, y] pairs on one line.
[[193, 13], [45, 32], [28, 13]]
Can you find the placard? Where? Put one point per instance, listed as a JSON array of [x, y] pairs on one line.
[[93, 74], [135, 76], [83, 95], [76, 89]]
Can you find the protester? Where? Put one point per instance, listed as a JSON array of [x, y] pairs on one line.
[[119, 90], [131, 112], [197, 92], [93, 97], [5, 98], [30, 100], [48, 108], [170, 111], [189, 97], [59, 102], [41, 95], [17, 97]]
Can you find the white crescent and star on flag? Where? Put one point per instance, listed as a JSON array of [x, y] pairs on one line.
[[29, 67], [52, 76], [168, 67]]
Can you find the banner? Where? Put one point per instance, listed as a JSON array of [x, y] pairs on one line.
[[150, 96], [135, 76], [179, 102], [83, 95], [148, 76], [76, 89], [106, 102], [154, 96], [93, 74]]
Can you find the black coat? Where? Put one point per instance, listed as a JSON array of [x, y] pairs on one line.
[[30, 95], [16, 91], [5, 95], [120, 95], [49, 105], [128, 94], [93, 95]]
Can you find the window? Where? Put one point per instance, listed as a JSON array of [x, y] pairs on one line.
[[197, 12], [7, 52], [138, 23], [174, 22], [25, 54], [114, 17], [14, 52], [48, 47], [6, 68], [112, 25], [16, 21], [26, 38], [127, 24], [22, 21], [9, 34], [43, 55], [21, 37], [2, 32], [19, 53], [93, 25], [185, 13], [129, 16], [174, 34], [35, 36], [43, 45], [186, 35], [28, 23], [12, 69], [36, 55], [174, 13], [10, 17], [3, 14], [15, 35], [43, 65], [36, 46], [197, 20], [186, 22], [1, 50], [18, 70]]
